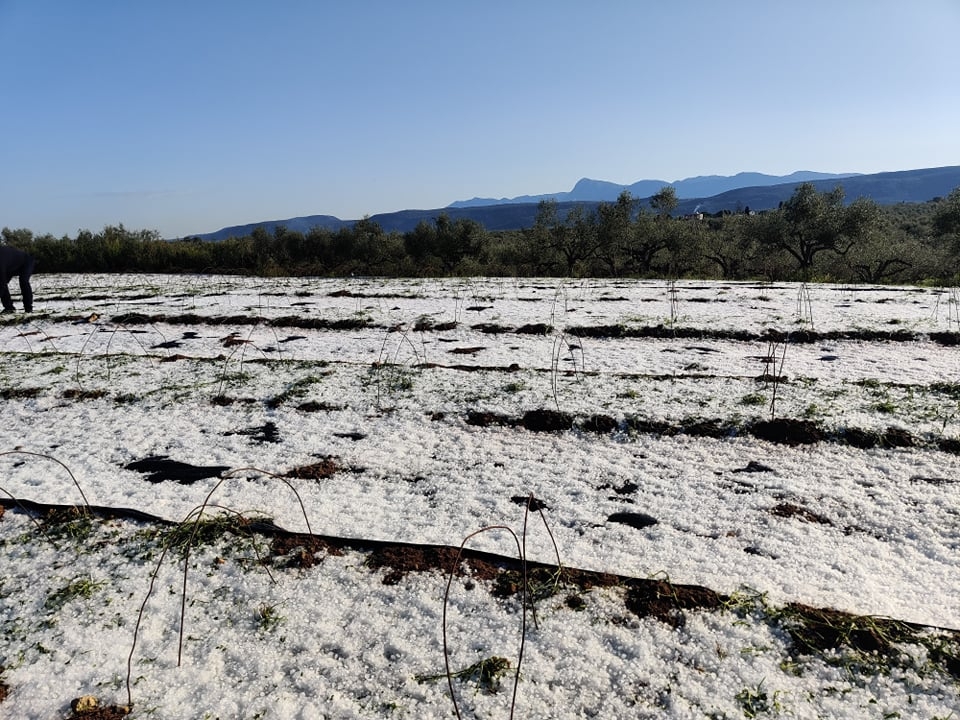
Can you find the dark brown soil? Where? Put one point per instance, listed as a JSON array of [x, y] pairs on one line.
[[820, 629], [666, 602], [787, 431], [314, 406], [790, 510], [862, 439], [491, 328], [950, 445], [19, 393], [897, 438], [161, 468], [709, 428], [949, 339], [636, 520], [546, 421], [651, 427], [108, 712], [532, 503], [327, 467], [77, 394], [486, 419], [266, 433], [534, 329], [403, 559], [601, 424], [301, 550]]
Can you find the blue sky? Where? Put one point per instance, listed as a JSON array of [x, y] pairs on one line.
[[187, 116]]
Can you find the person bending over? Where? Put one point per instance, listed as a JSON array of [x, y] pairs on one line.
[[15, 262]]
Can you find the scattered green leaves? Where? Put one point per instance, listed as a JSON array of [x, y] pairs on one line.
[[487, 673], [79, 587]]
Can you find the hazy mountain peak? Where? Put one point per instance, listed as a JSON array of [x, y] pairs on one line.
[[692, 187]]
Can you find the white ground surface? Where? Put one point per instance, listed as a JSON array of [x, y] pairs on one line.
[[346, 645]]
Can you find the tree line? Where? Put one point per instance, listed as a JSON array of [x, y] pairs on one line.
[[813, 236]]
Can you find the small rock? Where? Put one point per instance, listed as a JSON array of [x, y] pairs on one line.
[[754, 467], [84, 703], [634, 520]]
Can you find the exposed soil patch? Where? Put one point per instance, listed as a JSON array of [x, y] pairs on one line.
[[708, 428], [355, 436], [327, 467], [512, 368], [784, 431], [948, 339], [107, 712], [168, 345], [790, 510], [754, 467], [797, 336], [491, 328], [76, 394], [244, 320], [534, 329], [787, 431], [403, 559], [651, 427], [423, 324], [19, 393], [266, 433], [546, 420], [233, 340], [486, 419], [950, 445], [628, 488], [816, 630], [923, 479], [898, 437], [355, 323], [314, 406], [301, 550], [666, 602], [636, 520], [226, 400], [861, 439], [352, 294], [532, 503], [601, 424], [160, 468]]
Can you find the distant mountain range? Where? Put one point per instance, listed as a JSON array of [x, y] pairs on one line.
[[701, 186], [710, 194]]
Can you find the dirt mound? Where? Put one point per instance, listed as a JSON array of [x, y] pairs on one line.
[[786, 431]]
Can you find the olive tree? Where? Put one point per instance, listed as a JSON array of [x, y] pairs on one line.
[[811, 223]]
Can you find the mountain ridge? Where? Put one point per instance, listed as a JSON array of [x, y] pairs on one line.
[[885, 188], [699, 186]]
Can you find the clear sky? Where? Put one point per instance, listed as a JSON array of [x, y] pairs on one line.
[[185, 116]]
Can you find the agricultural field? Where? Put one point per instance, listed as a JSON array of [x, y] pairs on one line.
[[229, 497]]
